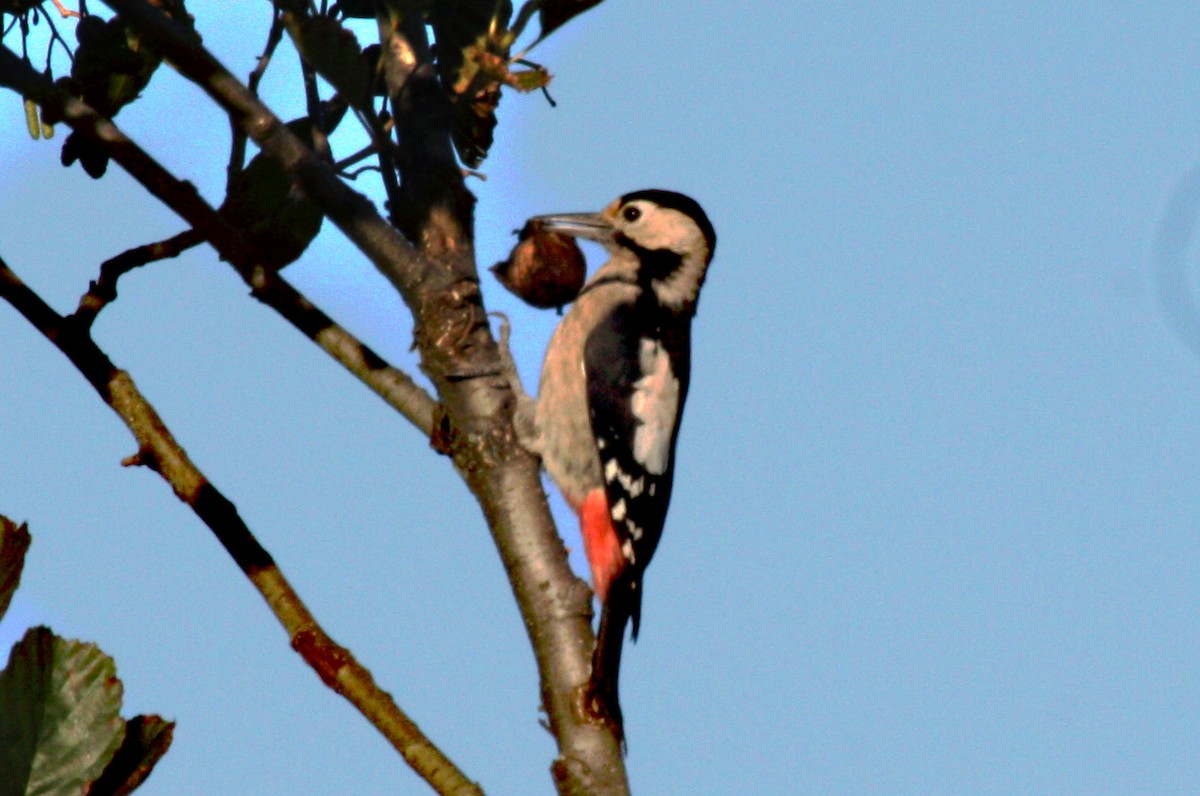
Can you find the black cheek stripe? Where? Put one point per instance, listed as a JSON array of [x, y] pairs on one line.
[[656, 263]]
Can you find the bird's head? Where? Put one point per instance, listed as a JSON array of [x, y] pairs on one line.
[[660, 238]]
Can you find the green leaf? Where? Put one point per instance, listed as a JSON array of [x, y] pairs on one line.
[[459, 25], [18, 8], [472, 56], [266, 204], [556, 13], [147, 739], [59, 722], [14, 541], [91, 154], [334, 52], [528, 79], [358, 9], [112, 65]]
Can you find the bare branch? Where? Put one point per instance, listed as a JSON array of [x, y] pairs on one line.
[[158, 450], [440, 284], [237, 150], [312, 102], [66, 12], [357, 157], [436, 210], [391, 384], [352, 212], [103, 291]]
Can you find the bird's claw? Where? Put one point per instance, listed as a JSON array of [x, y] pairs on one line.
[[508, 365], [524, 421]]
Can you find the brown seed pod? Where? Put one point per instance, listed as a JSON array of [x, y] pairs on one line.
[[545, 269]]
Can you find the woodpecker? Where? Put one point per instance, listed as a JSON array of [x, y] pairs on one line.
[[611, 395]]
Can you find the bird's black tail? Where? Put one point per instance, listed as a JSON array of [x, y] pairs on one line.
[[603, 700]]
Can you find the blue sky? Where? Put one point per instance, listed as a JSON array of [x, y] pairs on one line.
[[935, 527]]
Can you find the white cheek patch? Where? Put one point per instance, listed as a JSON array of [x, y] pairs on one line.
[[664, 228], [683, 285], [655, 402]]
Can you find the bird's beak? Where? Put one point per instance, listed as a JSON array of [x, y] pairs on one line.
[[589, 226]]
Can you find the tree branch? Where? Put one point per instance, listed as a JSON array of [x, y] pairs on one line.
[[158, 450], [103, 290], [440, 285], [436, 211], [460, 357], [237, 149], [391, 384]]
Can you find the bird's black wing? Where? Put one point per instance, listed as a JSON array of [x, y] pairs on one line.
[[636, 363]]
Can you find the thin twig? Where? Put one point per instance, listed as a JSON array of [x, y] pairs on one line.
[[378, 130], [158, 450], [354, 175], [316, 111], [440, 284], [358, 156], [103, 291], [237, 149], [55, 36], [274, 36], [66, 12], [391, 384], [383, 146]]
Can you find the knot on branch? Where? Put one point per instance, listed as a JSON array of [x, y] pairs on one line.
[[145, 457], [260, 126], [452, 330], [442, 438], [573, 775], [473, 451], [325, 657]]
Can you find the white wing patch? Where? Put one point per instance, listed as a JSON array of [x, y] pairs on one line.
[[632, 486], [655, 403]]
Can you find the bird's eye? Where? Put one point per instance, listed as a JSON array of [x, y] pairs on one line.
[[632, 213]]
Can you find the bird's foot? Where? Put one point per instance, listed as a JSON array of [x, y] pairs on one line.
[[524, 421], [595, 707]]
